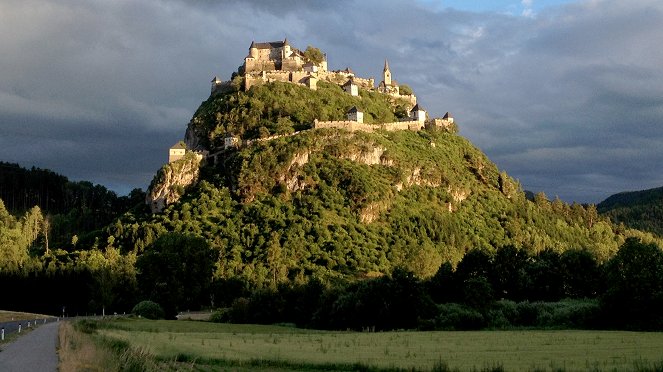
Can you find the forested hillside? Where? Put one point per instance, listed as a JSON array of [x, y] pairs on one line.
[[59, 206], [641, 210], [329, 203], [328, 214]]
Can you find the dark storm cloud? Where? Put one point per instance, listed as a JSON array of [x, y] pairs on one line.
[[570, 102]]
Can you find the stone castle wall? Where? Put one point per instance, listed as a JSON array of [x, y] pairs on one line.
[[410, 98], [368, 84], [353, 126], [301, 76], [223, 87]]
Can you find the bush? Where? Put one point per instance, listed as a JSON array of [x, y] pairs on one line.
[[458, 317], [86, 326], [149, 310], [578, 314], [221, 316]]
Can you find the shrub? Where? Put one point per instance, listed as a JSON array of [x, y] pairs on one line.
[[221, 316], [86, 326], [149, 310], [561, 314], [458, 317]]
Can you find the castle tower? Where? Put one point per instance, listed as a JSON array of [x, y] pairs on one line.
[[287, 51], [253, 50], [355, 115], [351, 87], [176, 152], [386, 73], [216, 82], [418, 113]]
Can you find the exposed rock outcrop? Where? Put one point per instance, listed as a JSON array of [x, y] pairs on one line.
[[370, 156], [193, 140], [171, 181], [291, 178]]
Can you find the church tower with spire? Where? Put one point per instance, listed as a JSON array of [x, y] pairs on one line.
[[386, 73]]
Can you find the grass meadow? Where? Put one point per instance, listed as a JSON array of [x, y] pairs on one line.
[[210, 346], [8, 316]]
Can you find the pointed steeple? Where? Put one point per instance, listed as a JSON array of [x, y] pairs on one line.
[[386, 74], [285, 41]]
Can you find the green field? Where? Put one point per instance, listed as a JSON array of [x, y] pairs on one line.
[[8, 316], [215, 344]]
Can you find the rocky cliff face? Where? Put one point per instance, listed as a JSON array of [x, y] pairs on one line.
[[172, 180], [192, 139]]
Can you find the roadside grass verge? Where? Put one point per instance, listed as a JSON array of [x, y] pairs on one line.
[[78, 351], [199, 346], [8, 316]]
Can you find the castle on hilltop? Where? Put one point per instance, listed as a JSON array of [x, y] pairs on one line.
[[278, 55], [279, 61]]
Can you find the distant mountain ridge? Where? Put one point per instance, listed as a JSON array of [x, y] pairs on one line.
[[641, 210]]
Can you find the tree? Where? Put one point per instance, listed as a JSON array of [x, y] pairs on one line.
[[580, 274], [545, 277], [509, 273], [441, 287], [313, 55], [176, 272], [275, 259], [476, 263], [634, 279], [405, 90], [148, 309], [473, 274]]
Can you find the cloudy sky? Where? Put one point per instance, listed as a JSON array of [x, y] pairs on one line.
[[565, 95]]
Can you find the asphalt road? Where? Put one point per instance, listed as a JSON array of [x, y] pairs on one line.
[[34, 351]]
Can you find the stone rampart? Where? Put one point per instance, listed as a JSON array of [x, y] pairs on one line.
[[336, 77], [223, 87], [349, 125], [368, 84], [353, 126], [277, 76], [299, 76]]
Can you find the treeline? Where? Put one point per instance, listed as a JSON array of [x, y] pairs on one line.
[[21, 189], [51, 255], [505, 290], [63, 208]]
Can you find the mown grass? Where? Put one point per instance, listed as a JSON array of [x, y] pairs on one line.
[[210, 346], [8, 316]]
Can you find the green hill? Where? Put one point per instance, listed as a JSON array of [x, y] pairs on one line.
[[641, 210], [333, 203]]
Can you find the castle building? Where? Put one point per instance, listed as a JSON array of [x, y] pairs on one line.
[[216, 83], [387, 85], [176, 152], [418, 113], [386, 73], [277, 56], [230, 141], [312, 82], [278, 61], [355, 115], [351, 88]]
